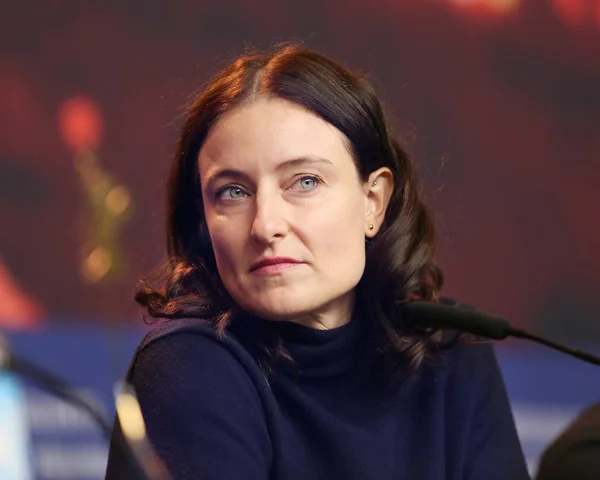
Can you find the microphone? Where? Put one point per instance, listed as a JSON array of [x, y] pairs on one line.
[[54, 385], [133, 429], [59, 388], [469, 320]]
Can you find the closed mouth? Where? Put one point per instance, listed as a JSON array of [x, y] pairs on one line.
[[273, 261]]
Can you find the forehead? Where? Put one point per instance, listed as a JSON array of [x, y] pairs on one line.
[[271, 131]]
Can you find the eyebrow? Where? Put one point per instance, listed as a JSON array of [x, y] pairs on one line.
[[294, 162]]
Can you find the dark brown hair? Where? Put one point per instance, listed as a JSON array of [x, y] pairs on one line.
[[399, 259]]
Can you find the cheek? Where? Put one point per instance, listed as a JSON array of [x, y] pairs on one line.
[[340, 231], [226, 247]]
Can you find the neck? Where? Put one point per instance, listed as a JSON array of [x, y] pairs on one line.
[[332, 315]]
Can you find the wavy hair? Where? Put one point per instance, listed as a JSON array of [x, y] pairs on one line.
[[399, 259]]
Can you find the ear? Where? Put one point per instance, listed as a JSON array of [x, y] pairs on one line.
[[378, 191]]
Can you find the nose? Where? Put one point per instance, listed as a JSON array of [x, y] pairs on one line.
[[270, 222]]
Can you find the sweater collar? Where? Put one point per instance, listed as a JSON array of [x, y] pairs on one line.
[[315, 353]]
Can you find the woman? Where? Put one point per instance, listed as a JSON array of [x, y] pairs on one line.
[[297, 230]]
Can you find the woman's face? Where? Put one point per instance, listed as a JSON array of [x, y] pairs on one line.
[[286, 211]]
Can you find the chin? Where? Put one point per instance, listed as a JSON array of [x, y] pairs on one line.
[[277, 313], [271, 303], [280, 309]]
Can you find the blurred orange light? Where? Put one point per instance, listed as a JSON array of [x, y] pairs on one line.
[[503, 6], [465, 3], [571, 11], [488, 6], [97, 264], [80, 123]]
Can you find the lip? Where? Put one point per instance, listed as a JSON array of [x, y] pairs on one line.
[[273, 264]]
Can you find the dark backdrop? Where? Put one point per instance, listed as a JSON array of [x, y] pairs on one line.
[[502, 110]]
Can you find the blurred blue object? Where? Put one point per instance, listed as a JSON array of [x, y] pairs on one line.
[[547, 390], [65, 442]]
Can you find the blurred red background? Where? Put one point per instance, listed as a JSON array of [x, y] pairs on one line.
[[500, 100]]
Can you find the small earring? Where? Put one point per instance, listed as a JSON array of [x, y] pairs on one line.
[[371, 227], [375, 183]]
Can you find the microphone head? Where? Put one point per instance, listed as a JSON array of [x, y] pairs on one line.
[[133, 428], [130, 414], [471, 321]]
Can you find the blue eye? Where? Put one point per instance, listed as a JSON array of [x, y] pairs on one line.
[[231, 193], [309, 182]]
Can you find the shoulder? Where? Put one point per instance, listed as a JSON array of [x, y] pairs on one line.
[[190, 348], [178, 328], [470, 390], [204, 401], [463, 375], [202, 334], [471, 365], [470, 355]]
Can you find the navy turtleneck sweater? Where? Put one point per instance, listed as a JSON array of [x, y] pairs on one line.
[[211, 412]]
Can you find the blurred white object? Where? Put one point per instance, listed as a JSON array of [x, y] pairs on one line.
[[15, 461]]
